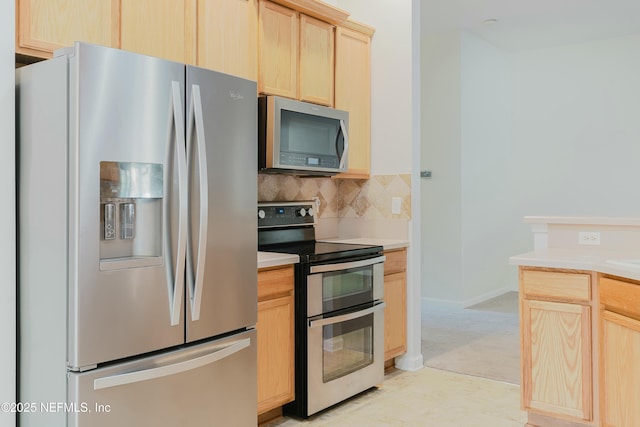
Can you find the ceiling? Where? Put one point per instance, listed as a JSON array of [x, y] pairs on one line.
[[532, 24]]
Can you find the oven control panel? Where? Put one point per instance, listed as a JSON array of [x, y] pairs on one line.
[[286, 214]]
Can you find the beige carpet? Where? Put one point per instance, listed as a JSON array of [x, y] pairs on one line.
[[482, 340]]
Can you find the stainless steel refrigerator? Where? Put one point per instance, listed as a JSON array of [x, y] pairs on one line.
[[137, 242]]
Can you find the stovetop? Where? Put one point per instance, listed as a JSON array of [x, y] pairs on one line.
[[289, 227], [323, 251]]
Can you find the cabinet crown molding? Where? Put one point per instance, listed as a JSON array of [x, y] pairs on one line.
[[365, 29], [317, 9]]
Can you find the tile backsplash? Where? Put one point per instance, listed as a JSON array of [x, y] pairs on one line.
[[342, 198]]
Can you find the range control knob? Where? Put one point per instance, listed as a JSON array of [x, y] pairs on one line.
[[310, 212], [261, 213], [301, 212]]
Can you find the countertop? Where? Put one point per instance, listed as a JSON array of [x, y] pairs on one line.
[[581, 259], [387, 244], [273, 259]]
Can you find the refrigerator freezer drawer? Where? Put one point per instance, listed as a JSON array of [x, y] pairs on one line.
[[209, 384]]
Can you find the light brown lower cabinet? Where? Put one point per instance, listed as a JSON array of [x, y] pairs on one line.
[[556, 343], [620, 352], [395, 296], [275, 338]]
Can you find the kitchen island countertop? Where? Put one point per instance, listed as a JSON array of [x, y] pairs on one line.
[[577, 259]]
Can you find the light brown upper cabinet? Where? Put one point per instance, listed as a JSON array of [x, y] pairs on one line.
[[353, 93], [277, 50], [42, 26], [162, 28], [316, 61], [227, 37], [296, 54]]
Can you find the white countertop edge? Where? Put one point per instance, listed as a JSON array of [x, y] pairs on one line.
[[571, 220], [274, 259], [575, 260], [387, 244], [533, 259]]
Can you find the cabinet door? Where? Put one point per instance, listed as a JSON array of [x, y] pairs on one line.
[[161, 28], [275, 353], [316, 61], [395, 315], [353, 93], [556, 358], [620, 388], [227, 37], [278, 50], [46, 25]]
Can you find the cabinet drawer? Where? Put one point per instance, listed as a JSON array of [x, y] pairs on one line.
[[553, 284], [619, 295], [396, 261], [275, 282]]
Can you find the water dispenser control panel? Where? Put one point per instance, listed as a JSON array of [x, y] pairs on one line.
[[131, 207]]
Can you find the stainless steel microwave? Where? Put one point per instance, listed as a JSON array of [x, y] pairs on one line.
[[301, 138]]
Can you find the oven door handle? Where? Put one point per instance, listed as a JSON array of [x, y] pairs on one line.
[[345, 317], [346, 265]]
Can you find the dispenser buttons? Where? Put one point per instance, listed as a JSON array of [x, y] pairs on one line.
[[127, 219], [109, 221]]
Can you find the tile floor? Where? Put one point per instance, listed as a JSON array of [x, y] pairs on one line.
[[425, 398], [445, 396]]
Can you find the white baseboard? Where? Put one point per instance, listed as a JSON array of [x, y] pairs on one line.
[[469, 302], [408, 363]]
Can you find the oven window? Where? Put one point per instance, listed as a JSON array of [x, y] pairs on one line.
[[346, 347], [346, 288]]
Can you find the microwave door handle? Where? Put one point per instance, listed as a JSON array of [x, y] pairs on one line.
[[345, 317], [343, 156], [176, 262], [196, 283]]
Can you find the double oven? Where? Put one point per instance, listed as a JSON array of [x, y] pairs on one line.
[[339, 308]]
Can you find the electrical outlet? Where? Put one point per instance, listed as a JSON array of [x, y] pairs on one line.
[[396, 205], [589, 238]]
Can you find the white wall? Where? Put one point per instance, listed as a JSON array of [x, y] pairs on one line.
[[576, 141], [550, 131], [466, 136], [391, 92], [486, 115], [7, 216], [394, 135], [441, 154]]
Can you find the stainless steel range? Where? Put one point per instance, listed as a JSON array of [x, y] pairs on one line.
[[339, 314]]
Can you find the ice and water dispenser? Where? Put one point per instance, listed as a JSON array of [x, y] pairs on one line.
[[130, 214]]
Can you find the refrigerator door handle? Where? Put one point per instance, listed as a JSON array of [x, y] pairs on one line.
[[176, 368], [195, 283], [175, 272]]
